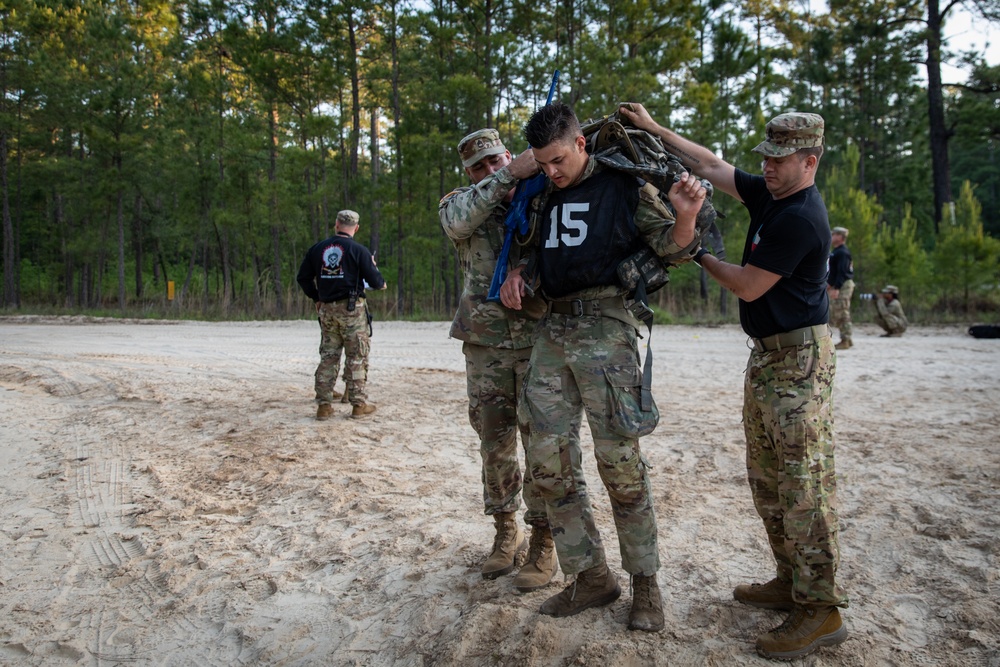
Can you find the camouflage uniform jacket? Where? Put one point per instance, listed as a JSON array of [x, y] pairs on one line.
[[655, 224], [890, 315], [473, 218]]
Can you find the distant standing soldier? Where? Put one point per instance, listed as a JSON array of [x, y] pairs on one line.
[[889, 312], [840, 286], [497, 346], [333, 274]]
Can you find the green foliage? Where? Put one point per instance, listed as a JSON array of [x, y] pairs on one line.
[[898, 258], [232, 133], [975, 146], [853, 209], [965, 259]]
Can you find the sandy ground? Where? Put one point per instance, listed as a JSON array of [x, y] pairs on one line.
[[168, 499]]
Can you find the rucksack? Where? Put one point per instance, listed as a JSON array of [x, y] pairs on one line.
[[626, 148]]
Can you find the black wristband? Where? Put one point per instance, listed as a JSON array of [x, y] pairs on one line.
[[701, 253]]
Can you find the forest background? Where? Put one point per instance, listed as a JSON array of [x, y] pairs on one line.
[[177, 159]]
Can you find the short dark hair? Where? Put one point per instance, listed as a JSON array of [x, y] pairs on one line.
[[552, 122], [814, 150]]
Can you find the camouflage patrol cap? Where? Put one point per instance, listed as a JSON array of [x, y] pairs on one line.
[[890, 289], [481, 143], [791, 132], [839, 230], [349, 218]]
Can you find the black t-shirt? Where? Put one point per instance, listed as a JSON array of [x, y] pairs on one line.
[[789, 237], [334, 267], [841, 267]]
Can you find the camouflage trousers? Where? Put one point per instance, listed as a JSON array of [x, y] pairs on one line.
[[577, 365], [494, 378], [344, 332], [788, 420], [840, 310], [890, 325]]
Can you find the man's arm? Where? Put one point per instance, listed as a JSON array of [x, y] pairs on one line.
[[747, 282], [702, 161], [687, 197], [369, 271], [306, 279], [514, 288], [671, 234], [462, 211]]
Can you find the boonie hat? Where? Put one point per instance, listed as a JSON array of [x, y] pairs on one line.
[[890, 289], [839, 230], [791, 132], [348, 217], [481, 143]]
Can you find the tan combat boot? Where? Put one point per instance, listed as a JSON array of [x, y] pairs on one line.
[[647, 607], [323, 412], [362, 410], [540, 565], [844, 344], [805, 630], [595, 587], [507, 545], [775, 594]]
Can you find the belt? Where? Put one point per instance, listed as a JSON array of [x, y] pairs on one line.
[[578, 307], [346, 298], [791, 338]]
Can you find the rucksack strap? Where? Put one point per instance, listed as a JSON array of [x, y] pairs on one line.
[[645, 313]]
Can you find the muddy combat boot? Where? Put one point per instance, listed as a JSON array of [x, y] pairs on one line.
[[362, 410], [323, 412], [647, 607], [805, 630], [540, 565], [844, 344], [595, 587], [346, 398], [508, 544], [775, 594]]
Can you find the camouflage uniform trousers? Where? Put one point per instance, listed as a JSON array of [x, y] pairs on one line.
[[840, 310], [343, 331], [576, 365], [494, 378], [788, 420]]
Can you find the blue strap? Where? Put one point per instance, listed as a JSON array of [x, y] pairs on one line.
[[515, 222], [517, 214]]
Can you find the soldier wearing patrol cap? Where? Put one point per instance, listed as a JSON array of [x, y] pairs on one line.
[[840, 286], [788, 386], [334, 274], [889, 312], [496, 343]]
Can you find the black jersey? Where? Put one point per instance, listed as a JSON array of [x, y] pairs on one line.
[[587, 230], [333, 268], [789, 237]]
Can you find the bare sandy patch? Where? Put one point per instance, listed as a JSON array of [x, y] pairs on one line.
[[167, 498]]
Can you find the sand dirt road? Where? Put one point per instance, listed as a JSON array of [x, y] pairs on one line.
[[168, 499]]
